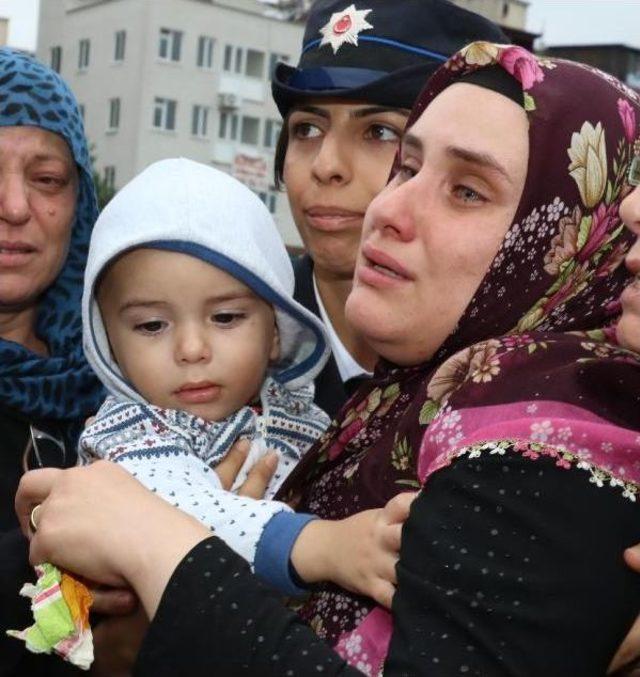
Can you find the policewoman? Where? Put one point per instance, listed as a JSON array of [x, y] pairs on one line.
[[344, 107]]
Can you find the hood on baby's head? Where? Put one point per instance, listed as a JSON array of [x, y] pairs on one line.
[[184, 206]]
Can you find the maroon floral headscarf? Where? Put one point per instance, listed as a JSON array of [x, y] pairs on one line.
[[566, 233], [532, 344]]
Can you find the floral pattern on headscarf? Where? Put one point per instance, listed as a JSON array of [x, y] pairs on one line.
[[575, 248], [536, 328], [571, 239], [61, 386]]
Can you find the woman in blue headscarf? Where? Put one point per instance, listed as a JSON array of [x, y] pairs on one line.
[[47, 210]]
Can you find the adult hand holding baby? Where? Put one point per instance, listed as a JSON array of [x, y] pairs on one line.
[[370, 539], [86, 510], [76, 497], [92, 519]]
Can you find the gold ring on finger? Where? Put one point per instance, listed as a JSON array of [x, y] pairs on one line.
[[33, 524]]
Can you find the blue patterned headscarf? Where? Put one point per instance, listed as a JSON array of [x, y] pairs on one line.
[[60, 386]]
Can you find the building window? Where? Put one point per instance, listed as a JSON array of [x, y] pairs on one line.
[[119, 45], [170, 44], [254, 65], [110, 177], [199, 120], [56, 59], [164, 113], [228, 129], [114, 114], [250, 130], [205, 52], [228, 55], [238, 60], [83, 54], [274, 59], [271, 133], [233, 59]]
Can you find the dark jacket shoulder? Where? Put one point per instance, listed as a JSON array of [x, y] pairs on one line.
[[330, 392]]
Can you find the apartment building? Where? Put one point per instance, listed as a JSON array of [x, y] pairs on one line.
[[166, 78], [506, 13], [510, 15], [4, 31], [623, 61]]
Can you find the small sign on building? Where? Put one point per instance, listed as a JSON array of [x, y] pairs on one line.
[[252, 171]]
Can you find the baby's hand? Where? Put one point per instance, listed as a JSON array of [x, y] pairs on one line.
[[258, 477], [358, 553]]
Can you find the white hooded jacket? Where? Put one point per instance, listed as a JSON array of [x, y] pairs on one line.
[[180, 205]]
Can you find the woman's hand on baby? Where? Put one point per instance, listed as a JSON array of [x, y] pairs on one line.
[[258, 477], [99, 522], [359, 553]]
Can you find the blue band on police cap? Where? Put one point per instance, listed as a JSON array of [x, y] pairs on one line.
[[389, 43], [333, 78]]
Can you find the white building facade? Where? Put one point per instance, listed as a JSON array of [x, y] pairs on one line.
[[4, 31], [167, 78], [506, 13]]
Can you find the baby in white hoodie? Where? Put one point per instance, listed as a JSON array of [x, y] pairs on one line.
[[190, 323]]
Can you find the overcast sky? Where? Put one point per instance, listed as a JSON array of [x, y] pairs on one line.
[[586, 21], [561, 21], [23, 22]]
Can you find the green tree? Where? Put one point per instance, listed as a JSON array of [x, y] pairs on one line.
[[104, 190]]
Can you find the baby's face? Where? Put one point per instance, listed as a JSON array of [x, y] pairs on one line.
[[186, 334]]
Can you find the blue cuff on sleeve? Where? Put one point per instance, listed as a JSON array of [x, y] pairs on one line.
[[273, 551]]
